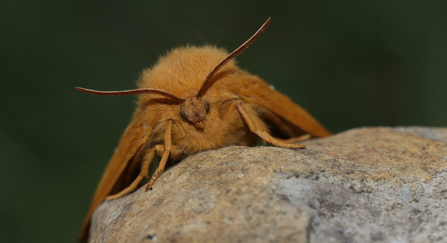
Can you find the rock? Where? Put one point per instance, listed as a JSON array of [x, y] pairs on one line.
[[362, 185]]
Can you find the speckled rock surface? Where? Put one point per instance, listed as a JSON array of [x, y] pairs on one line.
[[362, 185]]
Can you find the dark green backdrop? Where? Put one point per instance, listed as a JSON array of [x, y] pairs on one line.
[[362, 63]]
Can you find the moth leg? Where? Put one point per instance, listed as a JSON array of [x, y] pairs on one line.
[[229, 110], [144, 173], [253, 123], [164, 158], [297, 139]]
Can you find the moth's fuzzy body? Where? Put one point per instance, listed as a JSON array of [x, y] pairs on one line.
[[196, 99], [173, 74]]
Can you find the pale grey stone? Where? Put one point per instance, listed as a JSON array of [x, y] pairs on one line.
[[362, 185]]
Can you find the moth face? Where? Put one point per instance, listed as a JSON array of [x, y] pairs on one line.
[[194, 110]]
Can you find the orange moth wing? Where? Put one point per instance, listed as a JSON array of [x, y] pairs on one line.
[[290, 118], [117, 174]]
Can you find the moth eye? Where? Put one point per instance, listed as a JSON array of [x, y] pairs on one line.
[[207, 106], [183, 114]]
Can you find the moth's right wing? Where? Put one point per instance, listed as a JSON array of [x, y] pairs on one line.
[[121, 168]]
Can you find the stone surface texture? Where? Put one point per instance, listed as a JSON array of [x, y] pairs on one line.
[[362, 185]]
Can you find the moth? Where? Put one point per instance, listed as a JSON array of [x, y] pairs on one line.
[[196, 99]]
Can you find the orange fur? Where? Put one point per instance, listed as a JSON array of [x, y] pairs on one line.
[[174, 121]]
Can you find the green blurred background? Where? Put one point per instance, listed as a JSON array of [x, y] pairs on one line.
[[350, 63]]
